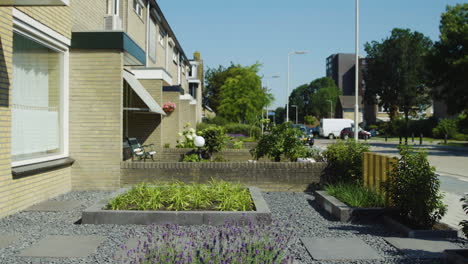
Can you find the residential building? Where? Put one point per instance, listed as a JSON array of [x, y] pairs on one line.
[[76, 79], [341, 68], [345, 107]]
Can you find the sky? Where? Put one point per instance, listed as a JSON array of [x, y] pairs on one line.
[[249, 31]]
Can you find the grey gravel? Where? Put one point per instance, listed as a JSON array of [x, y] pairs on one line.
[[296, 209]]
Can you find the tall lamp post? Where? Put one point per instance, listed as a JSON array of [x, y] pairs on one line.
[[356, 95], [296, 111], [289, 67], [331, 108]]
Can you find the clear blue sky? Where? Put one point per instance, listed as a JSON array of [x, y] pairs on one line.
[[247, 31]]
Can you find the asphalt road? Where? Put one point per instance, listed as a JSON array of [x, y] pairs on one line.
[[451, 164]]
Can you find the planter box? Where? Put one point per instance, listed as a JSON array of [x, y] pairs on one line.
[[396, 226], [346, 213], [456, 256], [97, 215]]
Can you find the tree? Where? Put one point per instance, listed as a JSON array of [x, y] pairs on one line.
[[280, 115], [242, 98], [214, 80], [449, 59], [397, 71], [311, 99]]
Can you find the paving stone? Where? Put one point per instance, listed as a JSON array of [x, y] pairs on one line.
[[54, 206], [339, 249], [421, 248], [7, 239], [64, 247]]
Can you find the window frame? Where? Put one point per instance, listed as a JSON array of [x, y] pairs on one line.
[[30, 28], [161, 37], [138, 8]]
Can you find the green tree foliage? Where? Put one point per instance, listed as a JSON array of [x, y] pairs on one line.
[[235, 93], [282, 141], [449, 60], [396, 72], [311, 99], [280, 115], [445, 127], [414, 189], [310, 120]]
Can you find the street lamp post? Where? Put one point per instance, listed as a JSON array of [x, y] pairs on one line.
[[296, 112], [331, 107], [356, 95], [289, 67]]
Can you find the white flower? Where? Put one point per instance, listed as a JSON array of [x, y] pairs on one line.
[[189, 137], [192, 130], [180, 134]]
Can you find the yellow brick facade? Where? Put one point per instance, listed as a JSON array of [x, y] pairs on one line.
[[96, 94], [57, 18], [18, 194], [88, 15]]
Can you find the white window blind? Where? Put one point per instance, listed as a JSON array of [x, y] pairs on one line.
[[36, 100]]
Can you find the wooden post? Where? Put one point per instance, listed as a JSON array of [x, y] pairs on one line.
[[378, 172], [365, 169]]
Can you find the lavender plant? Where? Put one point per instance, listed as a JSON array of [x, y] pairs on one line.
[[231, 243]]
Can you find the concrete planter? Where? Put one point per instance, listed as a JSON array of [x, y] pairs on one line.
[[346, 213], [396, 226], [456, 256], [97, 215]]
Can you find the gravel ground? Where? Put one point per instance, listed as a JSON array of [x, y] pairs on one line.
[[297, 209]]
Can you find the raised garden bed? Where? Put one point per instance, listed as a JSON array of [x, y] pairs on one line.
[[345, 213], [456, 256], [97, 214], [397, 226]]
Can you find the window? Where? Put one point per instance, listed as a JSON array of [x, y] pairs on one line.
[[193, 72], [175, 56], [116, 7], [152, 41], [162, 35], [193, 90], [38, 131], [138, 7]]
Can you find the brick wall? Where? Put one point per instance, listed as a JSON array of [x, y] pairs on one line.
[[96, 94], [268, 176], [88, 15], [135, 26], [57, 18], [170, 123], [19, 194]]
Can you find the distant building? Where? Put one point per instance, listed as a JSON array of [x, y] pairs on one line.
[[345, 107], [341, 68]]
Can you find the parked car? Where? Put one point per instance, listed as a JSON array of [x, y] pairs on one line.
[[314, 131], [331, 127], [305, 137], [349, 133]]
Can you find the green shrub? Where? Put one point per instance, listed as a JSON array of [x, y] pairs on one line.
[[282, 141], [445, 127], [238, 145], [217, 120], [464, 223], [345, 161], [413, 187], [215, 139], [178, 196], [191, 157], [244, 129], [316, 154], [356, 195], [460, 137], [201, 126]]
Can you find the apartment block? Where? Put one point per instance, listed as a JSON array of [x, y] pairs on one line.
[[77, 78]]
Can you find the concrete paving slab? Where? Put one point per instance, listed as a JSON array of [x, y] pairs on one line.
[[339, 249], [54, 206], [7, 239], [64, 247], [421, 248]]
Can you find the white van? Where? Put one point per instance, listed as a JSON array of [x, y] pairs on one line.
[[331, 128]]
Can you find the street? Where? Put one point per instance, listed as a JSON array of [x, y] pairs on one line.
[[451, 164]]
